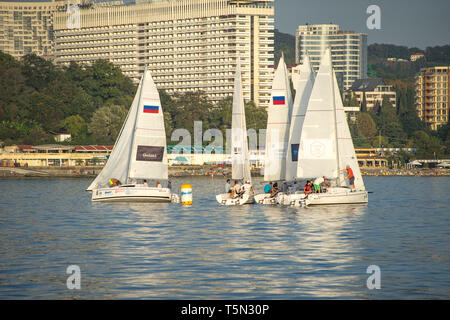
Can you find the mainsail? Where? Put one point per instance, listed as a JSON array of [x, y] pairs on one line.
[[317, 150], [326, 146], [278, 119], [239, 146], [140, 149], [302, 95]]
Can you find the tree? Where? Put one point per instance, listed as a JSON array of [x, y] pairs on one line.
[[75, 125], [367, 127], [364, 102], [427, 146], [107, 122]]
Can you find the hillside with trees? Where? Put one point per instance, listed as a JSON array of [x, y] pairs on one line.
[[91, 103]]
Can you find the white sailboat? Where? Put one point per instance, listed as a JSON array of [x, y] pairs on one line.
[[326, 146], [277, 132], [240, 160], [139, 154]]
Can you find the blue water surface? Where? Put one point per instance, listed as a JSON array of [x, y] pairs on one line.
[[208, 251]]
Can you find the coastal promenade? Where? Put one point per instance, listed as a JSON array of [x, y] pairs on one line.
[[189, 170]]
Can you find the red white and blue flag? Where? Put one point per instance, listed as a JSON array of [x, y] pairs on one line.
[[278, 100], [151, 109]]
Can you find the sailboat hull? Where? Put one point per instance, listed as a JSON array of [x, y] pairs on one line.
[[332, 196], [134, 194], [264, 198], [226, 200]]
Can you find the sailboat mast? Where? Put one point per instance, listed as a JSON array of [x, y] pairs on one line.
[[335, 123], [134, 128]]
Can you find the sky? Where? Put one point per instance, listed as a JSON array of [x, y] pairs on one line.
[[411, 23]]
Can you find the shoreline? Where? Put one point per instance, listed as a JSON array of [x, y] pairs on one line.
[[189, 171]]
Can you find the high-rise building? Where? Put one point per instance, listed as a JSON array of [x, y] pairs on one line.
[[433, 96], [348, 50], [27, 27], [187, 44]]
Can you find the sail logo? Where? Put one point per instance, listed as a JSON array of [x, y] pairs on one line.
[[294, 151], [148, 153], [278, 100], [151, 109]]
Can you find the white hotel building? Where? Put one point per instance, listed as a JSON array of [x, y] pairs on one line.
[[348, 50], [187, 44]]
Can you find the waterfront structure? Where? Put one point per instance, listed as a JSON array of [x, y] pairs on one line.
[[374, 89], [188, 45], [27, 27], [348, 50], [416, 56], [54, 155], [432, 95]]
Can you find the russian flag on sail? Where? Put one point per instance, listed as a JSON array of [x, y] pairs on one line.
[[151, 109], [279, 100]]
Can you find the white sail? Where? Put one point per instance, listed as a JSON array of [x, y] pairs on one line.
[[302, 95], [278, 119], [317, 150], [346, 149], [148, 159], [117, 164], [239, 145]]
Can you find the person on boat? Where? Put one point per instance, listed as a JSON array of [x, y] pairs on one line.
[[317, 184], [275, 190], [158, 184], [350, 176], [113, 182], [308, 187], [169, 185], [228, 186], [325, 184], [268, 188], [236, 190], [247, 188], [144, 183]]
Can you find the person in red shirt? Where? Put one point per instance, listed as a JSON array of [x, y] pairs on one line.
[[350, 176]]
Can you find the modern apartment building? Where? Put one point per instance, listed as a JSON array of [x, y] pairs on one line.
[[374, 89], [348, 50], [27, 27], [433, 96], [187, 44]]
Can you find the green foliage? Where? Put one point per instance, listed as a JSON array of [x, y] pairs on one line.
[[37, 97], [106, 123]]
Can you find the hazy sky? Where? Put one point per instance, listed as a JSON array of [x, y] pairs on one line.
[[413, 23]]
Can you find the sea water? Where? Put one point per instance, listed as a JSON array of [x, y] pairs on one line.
[[209, 251]]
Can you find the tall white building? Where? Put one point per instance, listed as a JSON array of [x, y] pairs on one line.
[[187, 44], [348, 50], [27, 27]]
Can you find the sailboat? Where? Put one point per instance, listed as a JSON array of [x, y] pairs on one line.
[[326, 146], [277, 132], [139, 154], [240, 160]]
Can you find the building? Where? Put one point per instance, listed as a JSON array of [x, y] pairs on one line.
[[348, 50], [433, 95], [27, 27], [417, 56], [375, 90], [188, 45]]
